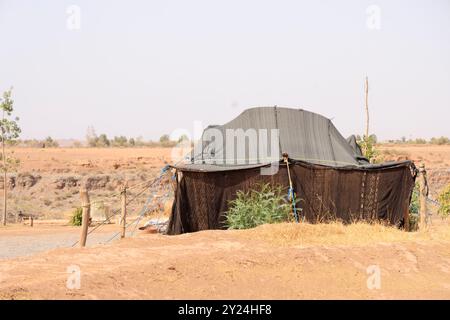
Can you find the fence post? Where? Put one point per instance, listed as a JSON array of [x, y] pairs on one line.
[[423, 192], [86, 215], [123, 221]]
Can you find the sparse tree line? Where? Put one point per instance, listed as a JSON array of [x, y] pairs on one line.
[[435, 140], [102, 141], [98, 141], [35, 143], [403, 140]]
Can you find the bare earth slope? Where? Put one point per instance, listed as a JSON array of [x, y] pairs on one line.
[[286, 261]]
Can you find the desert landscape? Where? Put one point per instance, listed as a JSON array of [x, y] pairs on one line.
[[219, 150], [281, 261]]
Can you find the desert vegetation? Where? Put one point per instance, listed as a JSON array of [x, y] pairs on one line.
[[261, 204]]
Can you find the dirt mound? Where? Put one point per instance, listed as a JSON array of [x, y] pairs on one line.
[[239, 265], [305, 234]]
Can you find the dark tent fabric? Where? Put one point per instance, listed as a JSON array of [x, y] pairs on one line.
[[332, 181], [355, 146]]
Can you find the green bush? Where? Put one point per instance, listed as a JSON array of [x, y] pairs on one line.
[[264, 204], [77, 217], [414, 209], [415, 205], [440, 141], [444, 202], [367, 145]]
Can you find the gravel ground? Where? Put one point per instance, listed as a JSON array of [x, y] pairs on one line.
[[20, 245]]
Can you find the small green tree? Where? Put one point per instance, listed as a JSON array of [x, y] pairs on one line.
[[164, 138], [367, 145], [50, 143], [10, 131], [120, 141], [103, 141]]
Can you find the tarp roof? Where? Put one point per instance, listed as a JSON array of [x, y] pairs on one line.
[[304, 135]]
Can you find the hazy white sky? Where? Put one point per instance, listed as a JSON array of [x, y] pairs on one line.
[[149, 67]]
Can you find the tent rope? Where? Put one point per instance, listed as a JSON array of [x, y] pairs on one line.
[[291, 193], [150, 184]]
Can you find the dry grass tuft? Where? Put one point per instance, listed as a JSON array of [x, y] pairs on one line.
[[360, 233]]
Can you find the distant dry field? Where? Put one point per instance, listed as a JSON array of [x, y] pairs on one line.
[[48, 180], [436, 159], [434, 156], [91, 160]]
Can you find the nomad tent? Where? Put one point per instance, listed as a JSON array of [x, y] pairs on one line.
[[331, 178]]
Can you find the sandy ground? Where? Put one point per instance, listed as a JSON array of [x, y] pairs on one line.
[[269, 262]]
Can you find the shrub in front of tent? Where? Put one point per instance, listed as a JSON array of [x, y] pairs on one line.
[[263, 204], [414, 209]]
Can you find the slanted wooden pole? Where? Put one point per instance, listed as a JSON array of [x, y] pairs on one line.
[[123, 221], [86, 215], [367, 106], [423, 193]]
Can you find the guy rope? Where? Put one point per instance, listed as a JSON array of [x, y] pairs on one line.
[[291, 193], [147, 186]]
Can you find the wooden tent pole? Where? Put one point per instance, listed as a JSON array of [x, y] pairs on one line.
[[367, 106], [86, 215]]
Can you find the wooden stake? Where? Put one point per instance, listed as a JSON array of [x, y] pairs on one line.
[[367, 106], [31, 220], [86, 215], [123, 221], [423, 193]]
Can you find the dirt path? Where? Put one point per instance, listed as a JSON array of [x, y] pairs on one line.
[[20, 241], [232, 265]]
